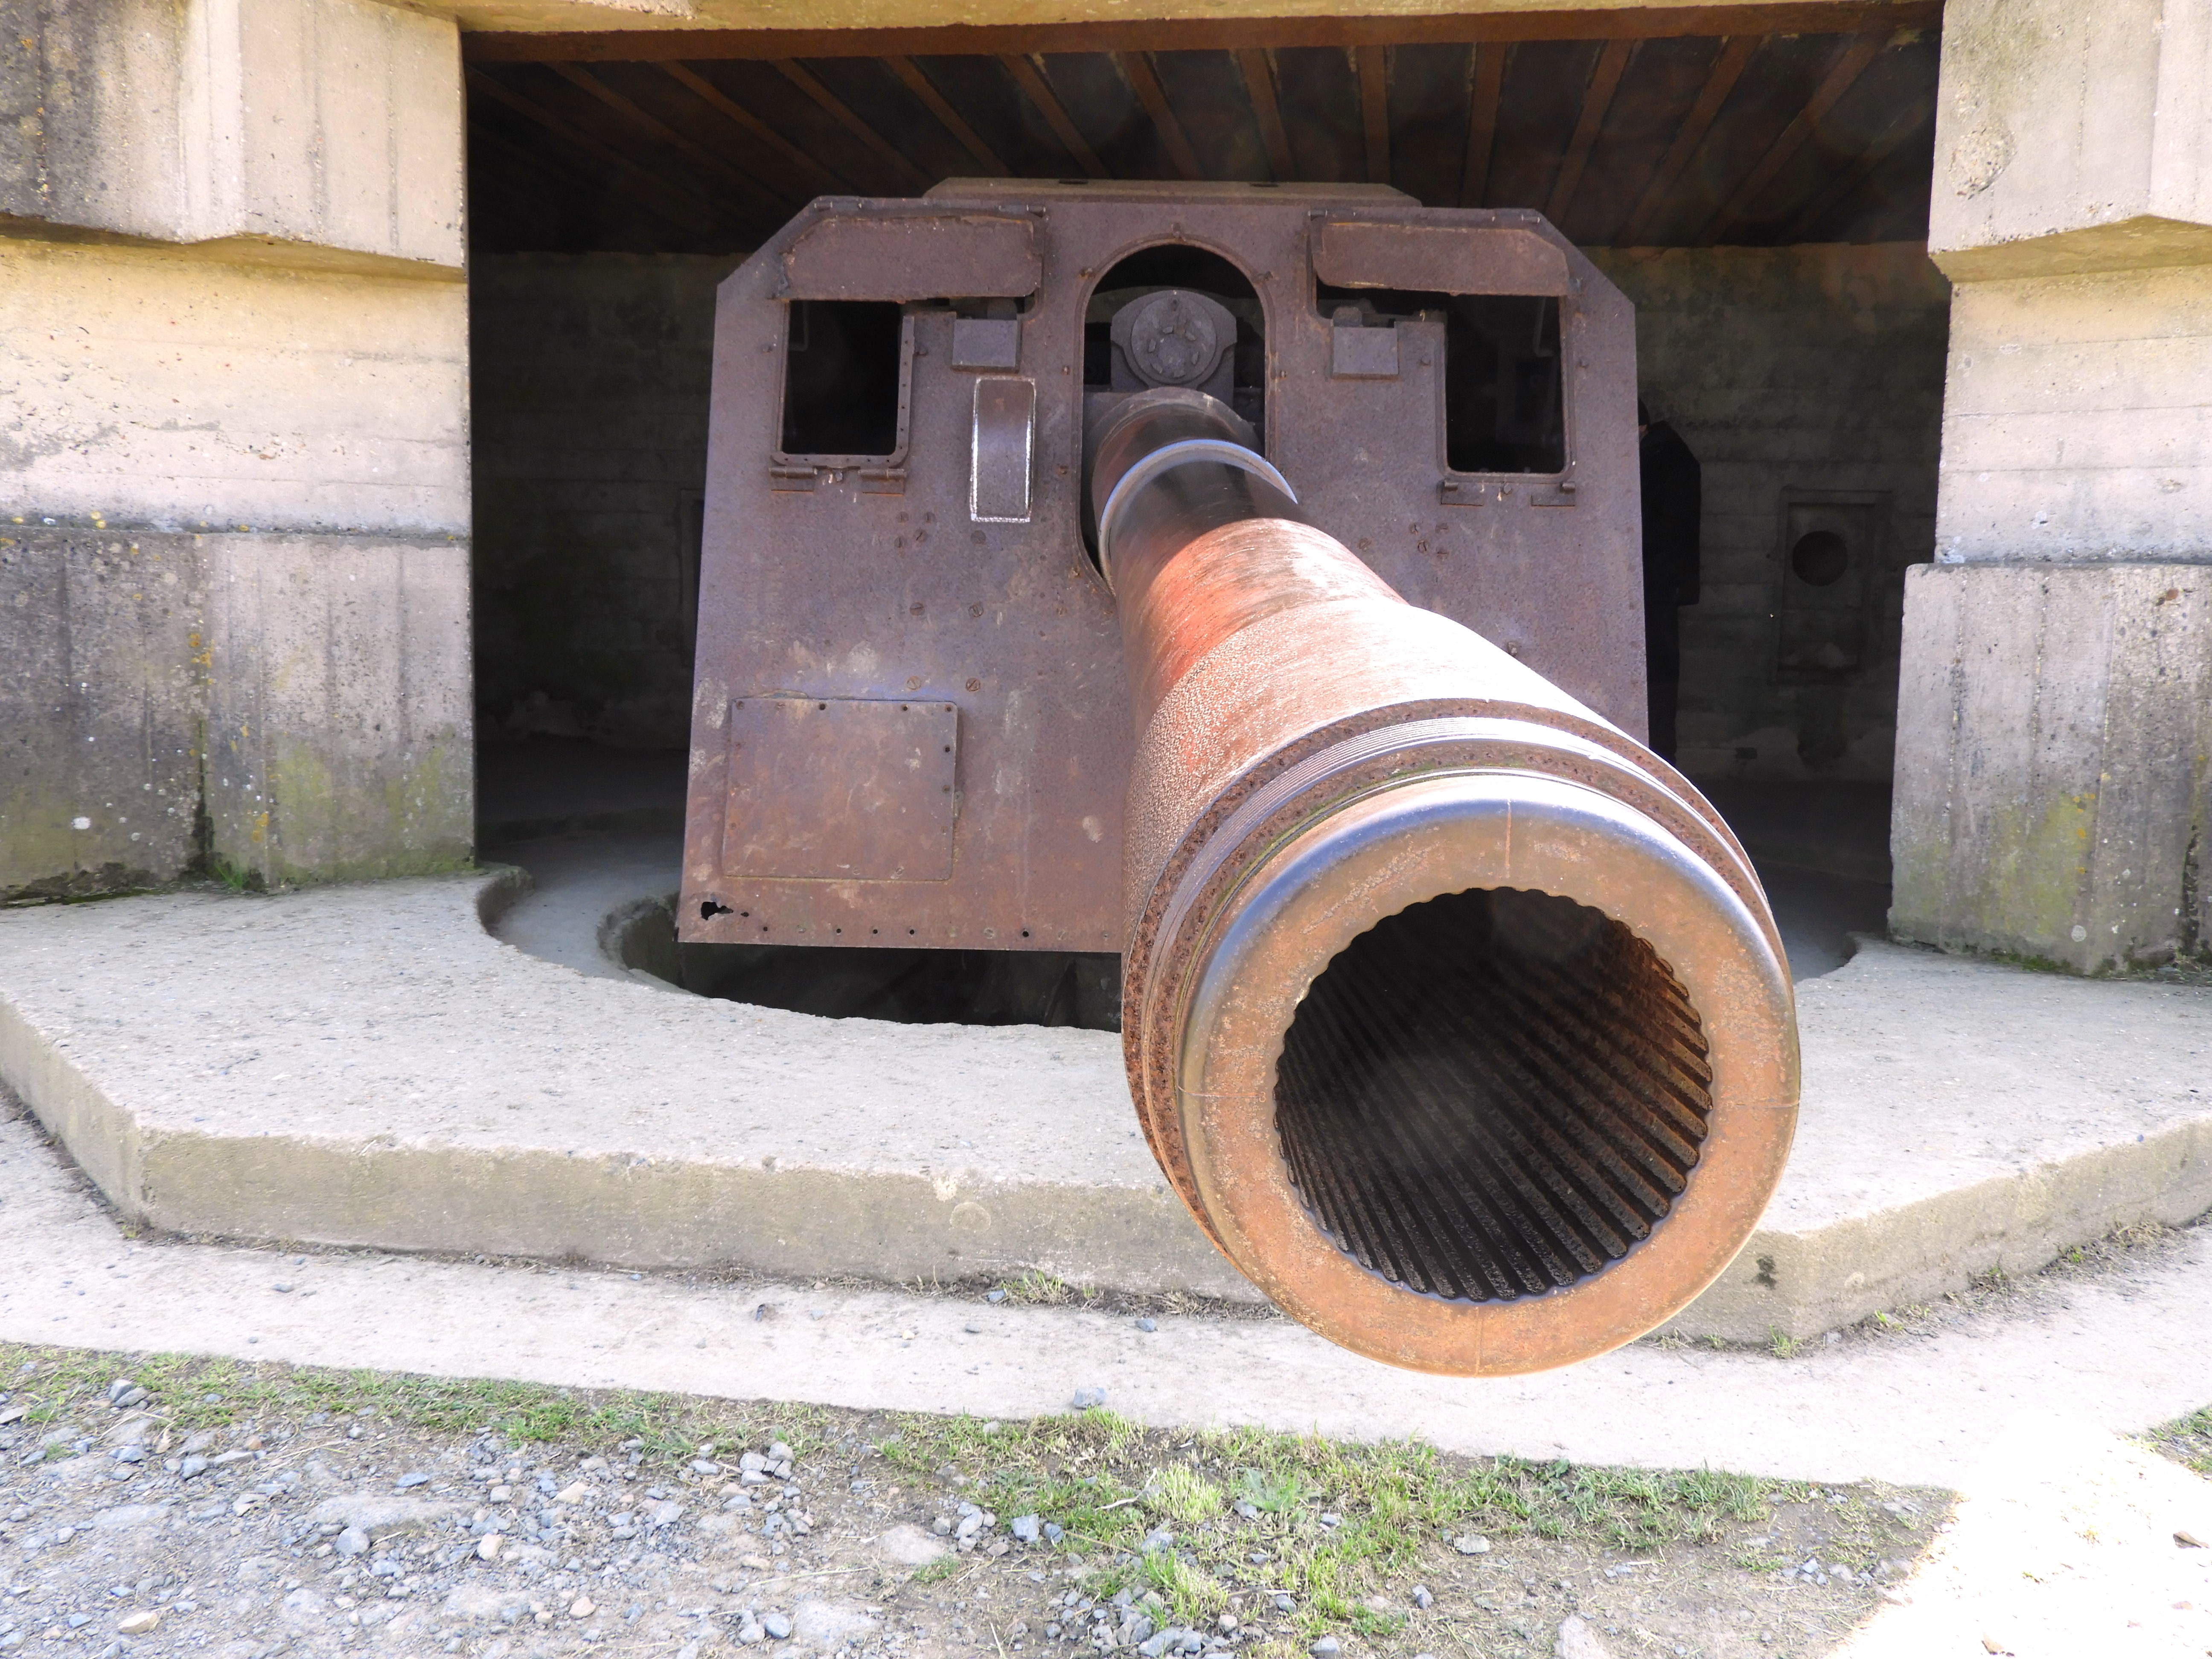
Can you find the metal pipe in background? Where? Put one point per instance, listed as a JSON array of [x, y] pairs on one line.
[[1456, 1015]]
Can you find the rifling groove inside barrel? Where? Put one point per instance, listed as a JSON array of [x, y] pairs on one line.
[[1491, 1095]]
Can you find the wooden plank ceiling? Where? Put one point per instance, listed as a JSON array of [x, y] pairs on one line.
[[1801, 123]]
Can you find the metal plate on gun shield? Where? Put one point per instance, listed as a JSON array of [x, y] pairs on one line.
[[1002, 446], [840, 789]]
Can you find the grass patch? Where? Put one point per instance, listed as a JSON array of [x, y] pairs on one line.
[[939, 1570], [1278, 1491], [51, 1385], [1181, 1494], [2186, 1440], [1039, 1288], [1331, 1522], [1193, 1595]]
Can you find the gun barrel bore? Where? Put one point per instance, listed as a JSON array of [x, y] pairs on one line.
[[1456, 1015]]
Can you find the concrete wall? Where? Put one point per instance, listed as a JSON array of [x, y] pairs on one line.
[[325, 130], [1797, 375], [339, 742], [2073, 137], [590, 378], [2054, 795], [234, 445], [2078, 417], [178, 389], [2052, 784], [103, 690], [271, 707]]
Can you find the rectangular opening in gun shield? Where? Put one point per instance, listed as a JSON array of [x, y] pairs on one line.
[[840, 789], [1504, 408], [1505, 393], [1497, 291], [844, 379]]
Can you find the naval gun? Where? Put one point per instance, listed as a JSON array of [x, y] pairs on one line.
[[1245, 580]]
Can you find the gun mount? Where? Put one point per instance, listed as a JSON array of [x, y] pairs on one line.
[[1456, 1015]]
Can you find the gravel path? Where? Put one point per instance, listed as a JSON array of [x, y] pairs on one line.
[[127, 1531]]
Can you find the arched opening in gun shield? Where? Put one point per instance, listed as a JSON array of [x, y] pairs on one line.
[[1492, 1095], [1218, 345]]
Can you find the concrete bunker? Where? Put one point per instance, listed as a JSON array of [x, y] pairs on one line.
[[1761, 198], [259, 665], [1807, 526]]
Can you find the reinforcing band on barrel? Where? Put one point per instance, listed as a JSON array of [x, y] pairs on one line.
[[1166, 458]]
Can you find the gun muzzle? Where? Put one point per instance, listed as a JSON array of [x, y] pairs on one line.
[[1456, 1015]]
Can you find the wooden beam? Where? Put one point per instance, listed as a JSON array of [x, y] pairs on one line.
[[752, 126], [1720, 81], [585, 81], [1373, 64], [1035, 88], [713, 212], [1214, 35], [1597, 99], [1259, 86], [1791, 139], [1910, 122], [1137, 69], [565, 180], [907, 174], [1485, 83], [910, 76]]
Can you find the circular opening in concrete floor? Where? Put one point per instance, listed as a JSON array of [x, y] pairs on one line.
[[1492, 1095], [918, 987]]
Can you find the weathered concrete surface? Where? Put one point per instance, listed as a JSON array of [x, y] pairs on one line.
[[2055, 748], [2054, 783], [102, 710], [365, 1065], [294, 130], [234, 445], [2077, 423], [2118, 1356], [282, 709], [1960, 1115], [469, 1097], [2020, 1413], [2072, 136], [2065, 1545], [339, 738], [540, 15], [167, 390]]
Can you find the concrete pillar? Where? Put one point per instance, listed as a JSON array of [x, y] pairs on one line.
[[233, 450], [2054, 762]]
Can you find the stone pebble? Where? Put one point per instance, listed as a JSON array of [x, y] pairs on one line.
[[253, 1544]]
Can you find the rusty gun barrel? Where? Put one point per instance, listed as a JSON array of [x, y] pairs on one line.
[[1456, 1015]]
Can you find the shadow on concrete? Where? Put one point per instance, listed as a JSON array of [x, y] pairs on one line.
[[600, 830]]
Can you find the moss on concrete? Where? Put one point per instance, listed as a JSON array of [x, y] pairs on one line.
[[416, 819]]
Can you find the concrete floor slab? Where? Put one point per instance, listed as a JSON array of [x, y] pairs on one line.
[[368, 1065], [2118, 1354]]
